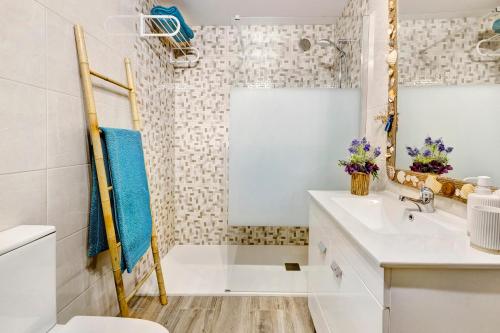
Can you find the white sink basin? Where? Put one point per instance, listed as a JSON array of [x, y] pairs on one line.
[[383, 213], [382, 226]]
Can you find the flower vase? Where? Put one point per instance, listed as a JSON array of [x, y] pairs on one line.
[[360, 183]]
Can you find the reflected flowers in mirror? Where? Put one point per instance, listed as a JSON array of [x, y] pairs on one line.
[[431, 158]]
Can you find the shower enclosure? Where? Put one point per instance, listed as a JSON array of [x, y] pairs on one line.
[[295, 103], [263, 118], [283, 142]]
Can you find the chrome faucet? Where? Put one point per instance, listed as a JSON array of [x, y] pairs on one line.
[[426, 202]]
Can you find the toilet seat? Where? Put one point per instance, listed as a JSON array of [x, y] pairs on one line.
[[85, 324]]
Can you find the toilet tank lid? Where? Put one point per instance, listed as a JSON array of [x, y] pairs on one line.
[[13, 238]]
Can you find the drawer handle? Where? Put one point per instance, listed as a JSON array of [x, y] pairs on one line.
[[322, 248], [336, 269]]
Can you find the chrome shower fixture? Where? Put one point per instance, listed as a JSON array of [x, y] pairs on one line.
[[305, 44], [342, 68], [327, 42]]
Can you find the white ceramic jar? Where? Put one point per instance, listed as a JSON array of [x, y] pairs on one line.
[[485, 228]]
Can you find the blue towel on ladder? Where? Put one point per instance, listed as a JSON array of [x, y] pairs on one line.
[[124, 157], [170, 25]]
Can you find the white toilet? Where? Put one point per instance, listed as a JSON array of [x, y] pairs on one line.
[[28, 288]]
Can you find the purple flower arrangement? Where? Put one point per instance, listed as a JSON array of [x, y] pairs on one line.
[[362, 158], [431, 158]]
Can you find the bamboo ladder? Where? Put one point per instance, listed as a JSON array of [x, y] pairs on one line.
[[93, 126]]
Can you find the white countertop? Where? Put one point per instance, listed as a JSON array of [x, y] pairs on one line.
[[13, 238], [422, 243]]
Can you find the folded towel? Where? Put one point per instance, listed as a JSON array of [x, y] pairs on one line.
[[496, 26], [170, 25], [131, 202]]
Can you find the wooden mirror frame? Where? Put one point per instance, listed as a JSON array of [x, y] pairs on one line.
[[448, 187]]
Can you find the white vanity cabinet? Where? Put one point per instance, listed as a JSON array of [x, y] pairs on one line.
[[339, 300], [350, 291]]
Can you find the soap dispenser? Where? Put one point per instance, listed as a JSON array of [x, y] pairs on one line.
[[482, 196]]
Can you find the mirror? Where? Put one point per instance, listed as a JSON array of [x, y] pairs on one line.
[[448, 101]]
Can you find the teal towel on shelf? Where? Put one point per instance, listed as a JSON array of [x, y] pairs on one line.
[[496, 26], [124, 158], [170, 26]]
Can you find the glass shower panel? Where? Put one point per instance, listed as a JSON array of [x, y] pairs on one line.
[[289, 124], [282, 143]]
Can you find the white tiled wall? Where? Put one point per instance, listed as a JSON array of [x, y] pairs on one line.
[[44, 171], [377, 79]]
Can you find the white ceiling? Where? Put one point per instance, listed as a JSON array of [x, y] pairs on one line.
[[221, 12], [409, 7]]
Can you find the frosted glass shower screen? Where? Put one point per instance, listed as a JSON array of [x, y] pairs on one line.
[[282, 143]]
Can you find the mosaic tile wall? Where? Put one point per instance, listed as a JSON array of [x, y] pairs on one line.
[[154, 81], [185, 115], [348, 34], [442, 52], [266, 56], [267, 235]]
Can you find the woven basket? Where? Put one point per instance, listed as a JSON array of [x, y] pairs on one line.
[[360, 183]]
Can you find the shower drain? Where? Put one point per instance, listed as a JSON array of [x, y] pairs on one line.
[[292, 266]]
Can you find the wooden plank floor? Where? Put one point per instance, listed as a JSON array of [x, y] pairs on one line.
[[228, 314]]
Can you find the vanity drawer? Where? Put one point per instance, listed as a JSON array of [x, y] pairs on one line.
[[318, 252], [318, 241], [365, 266], [347, 305]]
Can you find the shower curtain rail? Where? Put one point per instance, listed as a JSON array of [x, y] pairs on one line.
[[114, 246]]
